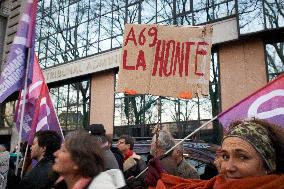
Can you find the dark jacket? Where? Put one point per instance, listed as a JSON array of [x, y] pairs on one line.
[[185, 170], [41, 176], [110, 161], [169, 164], [132, 167], [118, 156]]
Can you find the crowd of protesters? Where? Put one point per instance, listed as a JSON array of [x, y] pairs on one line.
[[251, 156]]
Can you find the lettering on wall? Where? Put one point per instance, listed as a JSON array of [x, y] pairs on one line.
[[85, 66]]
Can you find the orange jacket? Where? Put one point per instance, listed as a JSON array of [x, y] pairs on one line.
[[219, 182]]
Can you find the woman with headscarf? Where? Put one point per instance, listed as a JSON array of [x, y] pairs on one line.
[[251, 156], [80, 164]]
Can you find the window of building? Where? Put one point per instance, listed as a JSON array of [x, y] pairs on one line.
[[275, 59], [73, 29], [71, 103], [257, 15], [210, 10]]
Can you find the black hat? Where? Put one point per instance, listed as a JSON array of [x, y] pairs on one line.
[[96, 129]]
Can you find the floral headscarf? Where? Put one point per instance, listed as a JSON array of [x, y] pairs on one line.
[[258, 136]]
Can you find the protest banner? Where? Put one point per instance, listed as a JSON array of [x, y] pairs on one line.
[[165, 60]]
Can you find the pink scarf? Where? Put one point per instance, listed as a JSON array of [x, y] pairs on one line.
[[80, 184]]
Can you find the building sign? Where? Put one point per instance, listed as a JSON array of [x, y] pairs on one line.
[[85, 66], [165, 60]]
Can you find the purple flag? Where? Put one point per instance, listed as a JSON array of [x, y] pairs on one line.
[[266, 103], [13, 74]]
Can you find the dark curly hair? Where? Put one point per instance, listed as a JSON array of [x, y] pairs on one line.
[[85, 152], [50, 140], [276, 135], [128, 140]]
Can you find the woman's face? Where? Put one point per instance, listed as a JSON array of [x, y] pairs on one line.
[[63, 163], [239, 159]]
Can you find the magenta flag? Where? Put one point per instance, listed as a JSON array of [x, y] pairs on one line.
[[32, 95], [13, 74], [45, 117], [266, 103], [39, 112]]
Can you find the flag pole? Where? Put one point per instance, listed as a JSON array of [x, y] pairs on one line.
[[195, 131], [192, 133], [24, 161], [60, 129], [23, 110]]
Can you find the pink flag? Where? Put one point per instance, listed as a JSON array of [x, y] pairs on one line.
[[266, 103], [45, 117], [38, 106]]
